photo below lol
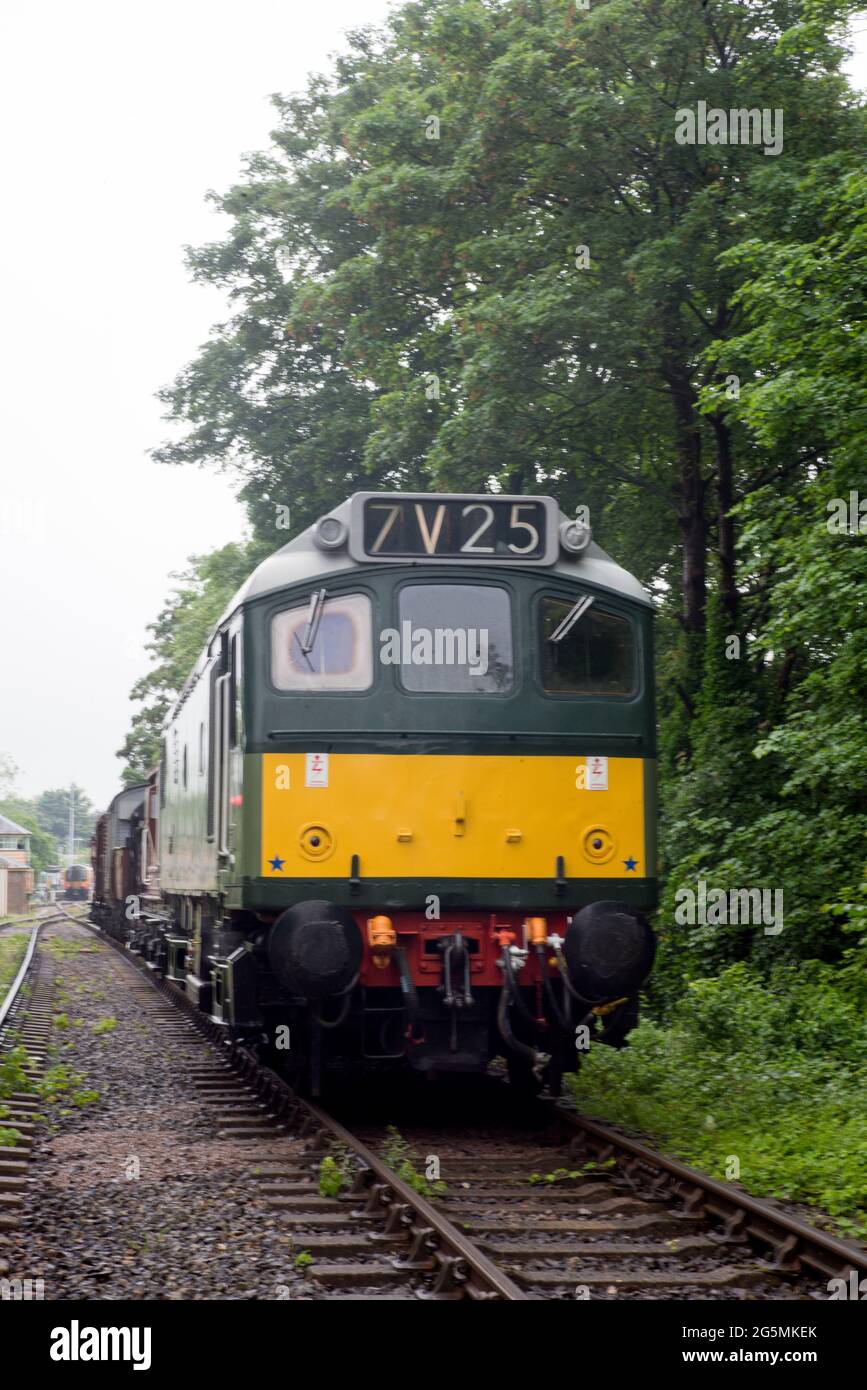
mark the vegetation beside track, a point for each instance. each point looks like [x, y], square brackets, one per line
[12, 948]
[759, 1081]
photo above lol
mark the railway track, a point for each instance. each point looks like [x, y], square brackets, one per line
[552, 1206]
[25, 1023]
[42, 914]
[579, 1211]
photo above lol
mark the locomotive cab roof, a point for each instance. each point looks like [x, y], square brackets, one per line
[303, 557]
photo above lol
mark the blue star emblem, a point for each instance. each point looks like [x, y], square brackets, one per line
[276, 863]
[631, 864]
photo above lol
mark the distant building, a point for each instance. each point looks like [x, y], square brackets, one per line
[14, 841]
[16, 875]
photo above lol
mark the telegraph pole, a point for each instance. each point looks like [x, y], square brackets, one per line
[72, 823]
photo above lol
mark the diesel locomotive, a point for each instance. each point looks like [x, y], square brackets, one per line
[77, 883]
[405, 812]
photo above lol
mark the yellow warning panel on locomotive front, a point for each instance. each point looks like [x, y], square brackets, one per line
[460, 816]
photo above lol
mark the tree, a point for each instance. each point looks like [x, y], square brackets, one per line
[368, 261]
[478, 257]
[52, 811]
[43, 847]
[25, 812]
[179, 634]
[776, 789]
[8, 774]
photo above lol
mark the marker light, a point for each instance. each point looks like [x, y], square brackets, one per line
[330, 533]
[575, 536]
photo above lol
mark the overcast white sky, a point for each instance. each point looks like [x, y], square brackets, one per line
[116, 119]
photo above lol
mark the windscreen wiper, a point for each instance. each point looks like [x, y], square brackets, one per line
[575, 612]
[314, 618]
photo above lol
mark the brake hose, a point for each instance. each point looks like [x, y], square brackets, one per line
[537, 1060]
[410, 993]
[561, 1019]
[512, 984]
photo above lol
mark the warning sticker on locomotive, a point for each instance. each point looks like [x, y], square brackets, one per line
[316, 769]
[597, 775]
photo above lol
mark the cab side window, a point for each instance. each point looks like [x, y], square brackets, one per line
[592, 653]
[328, 649]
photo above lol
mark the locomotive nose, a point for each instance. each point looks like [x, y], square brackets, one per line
[609, 950]
[315, 949]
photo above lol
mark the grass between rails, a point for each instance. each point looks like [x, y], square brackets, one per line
[61, 1088]
[62, 948]
[12, 948]
[336, 1169]
[760, 1082]
[14, 944]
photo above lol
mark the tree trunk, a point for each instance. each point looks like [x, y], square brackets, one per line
[725, 521]
[691, 518]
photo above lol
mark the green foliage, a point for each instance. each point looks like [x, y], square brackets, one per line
[13, 946]
[62, 947]
[335, 1172]
[303, 1260]
[43, 846]
[105, 1025]
[84, 1095]
[364, 257]
[179, 634]
[8, 774]
[60, 1082]
[851, 913]
[773, 792]
[571, 1174]
[52, 809]
[402, 1158]
[46, 817]
[770, 1072]
[13, 1076]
